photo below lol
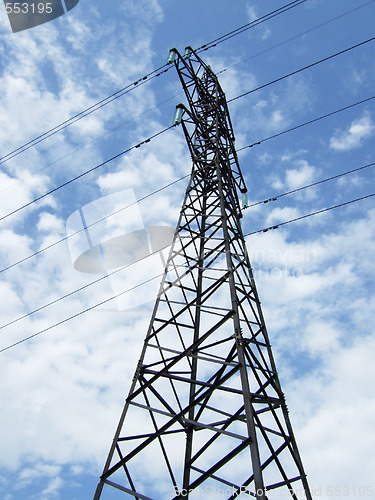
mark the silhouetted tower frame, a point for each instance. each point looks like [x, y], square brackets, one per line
[206, 382]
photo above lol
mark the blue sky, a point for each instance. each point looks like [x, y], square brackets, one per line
[62, 392]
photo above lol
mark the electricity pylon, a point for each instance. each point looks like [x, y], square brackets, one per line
[205, 415]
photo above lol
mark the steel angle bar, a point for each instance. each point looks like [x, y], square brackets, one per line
[126, 490]
[216, 478]
[199, 425]
[155, 410]
[275, 453]
[283, 483]
[170, 410]
[201, 383]
[145, 436]
[211, 360]
[226, 414]
[205, 475]
[176, 418]
[189, 350]
[264, 466]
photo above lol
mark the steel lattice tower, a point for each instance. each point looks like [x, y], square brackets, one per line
[205, 414]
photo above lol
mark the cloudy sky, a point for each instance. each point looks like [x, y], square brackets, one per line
[62, 390]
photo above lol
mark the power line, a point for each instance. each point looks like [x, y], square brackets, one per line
[92, 224]
[85, 173]
[250, 25]
[297, 36]
[307, 123]
[153, 74]
[155, 277]
[274, 198]
[76, 315]
[231, 100]
[96, 139]
[83, 114]
[302, 69]
[164, 130]
[184, 177]
[219, 72]
[263, 230]
[73, 292]
[276, 226]
[240, 149]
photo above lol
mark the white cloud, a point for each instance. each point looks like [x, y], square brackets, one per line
[11, 303]
[52, 489]
[50, 222]
[277, 110]
[277, 183]
[144, 11]
[251, 13]
[266, 34]
[233, 81]
[27, 475]
[359, 130]
[282, 214]
[14, 246]
[320, 336]
[277, 119]
[291, 155]
[16, 194]
[319, 268]
[359, 77]
[301, 176]
[349, 371]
